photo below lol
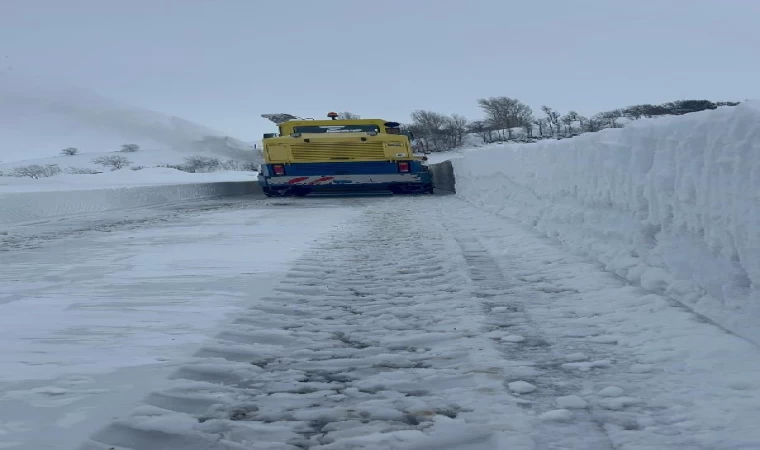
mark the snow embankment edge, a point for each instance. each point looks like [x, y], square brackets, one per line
[25, 207]
[671, 204]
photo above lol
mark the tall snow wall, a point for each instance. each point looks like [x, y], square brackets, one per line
[672, 204]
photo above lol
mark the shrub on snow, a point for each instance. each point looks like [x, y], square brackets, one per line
[82, 171]
[36, 171]
[112, 162]
[129, 148]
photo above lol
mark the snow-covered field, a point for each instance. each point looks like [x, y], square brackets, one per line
[671, 204]
[40, 117]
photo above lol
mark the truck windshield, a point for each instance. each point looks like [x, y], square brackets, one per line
[336, 129]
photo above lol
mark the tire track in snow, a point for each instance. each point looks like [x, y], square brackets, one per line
[650, 375]
[372, 343]
[533, 359]
[405, 330]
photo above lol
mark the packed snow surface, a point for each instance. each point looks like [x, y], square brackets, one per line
[349, 323]
[26, 200]
[671, 204]
[95, 313]
[387, 334]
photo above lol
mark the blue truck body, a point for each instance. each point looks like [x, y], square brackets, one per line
[398, 177]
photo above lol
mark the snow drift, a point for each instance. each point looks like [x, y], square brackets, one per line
[672, 204]
[38, 200]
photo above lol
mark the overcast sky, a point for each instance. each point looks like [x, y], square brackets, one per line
[223, 63]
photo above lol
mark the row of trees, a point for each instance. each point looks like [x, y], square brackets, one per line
[192, 164]
[508, 119]
[438, 131]
[126, 148]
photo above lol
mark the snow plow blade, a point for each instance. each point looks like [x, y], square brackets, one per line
[444, 181]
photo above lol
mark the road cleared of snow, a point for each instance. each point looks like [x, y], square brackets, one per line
[95, 314]
[428, 323]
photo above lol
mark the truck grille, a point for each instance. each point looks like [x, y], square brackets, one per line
[338, 151]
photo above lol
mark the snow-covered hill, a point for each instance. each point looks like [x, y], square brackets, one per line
[40, 117]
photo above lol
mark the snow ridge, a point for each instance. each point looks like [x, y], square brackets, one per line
[671, 204]
[23, 207]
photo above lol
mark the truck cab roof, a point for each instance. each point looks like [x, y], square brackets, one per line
[326, 126]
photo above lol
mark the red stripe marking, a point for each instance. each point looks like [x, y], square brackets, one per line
[320, 180]
[298, 180]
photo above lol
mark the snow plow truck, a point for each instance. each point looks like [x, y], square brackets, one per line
[340, 156]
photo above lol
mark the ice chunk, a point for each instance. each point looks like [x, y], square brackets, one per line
[521, 387]
[557, 415]
[571, 402]
[612, 391]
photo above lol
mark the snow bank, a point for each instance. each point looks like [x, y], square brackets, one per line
[119, 178]
[26, 200]
[672, 204]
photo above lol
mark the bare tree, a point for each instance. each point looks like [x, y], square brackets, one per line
[431, 127]
[505, 113]
[70, 151]
[593, 124]
[197, 164]
[129, 148]
[569, 119]
[542, 125]
[457, 127]
[480, 128]
[346, 115]
[112, 162]
[81, 171]
[528, 127]
[610, 118]
[438, 132]
[36, 171]
[635, 112]
[552, 118]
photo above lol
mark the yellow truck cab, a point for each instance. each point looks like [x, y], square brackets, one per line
[339, 156]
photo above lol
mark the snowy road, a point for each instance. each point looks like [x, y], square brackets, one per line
[97, 311]
[390, 323]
